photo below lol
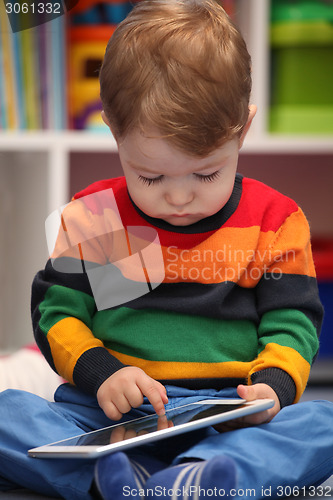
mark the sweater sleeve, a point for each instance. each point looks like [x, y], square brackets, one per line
[290, 312]
[63, 305]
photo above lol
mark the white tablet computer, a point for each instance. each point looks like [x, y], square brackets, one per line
[151, 428]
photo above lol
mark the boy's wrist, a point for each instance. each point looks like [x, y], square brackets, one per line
[280, 381]
[93, 368]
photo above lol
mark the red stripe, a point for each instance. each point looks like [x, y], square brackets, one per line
[260, 205]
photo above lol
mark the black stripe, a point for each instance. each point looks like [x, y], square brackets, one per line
[291, 291]
[64, 271]
[224, 300]
[93, 368]
[229, 301]
[41, 339]
[280, 381]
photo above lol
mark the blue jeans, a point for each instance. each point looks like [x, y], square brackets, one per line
[295, 449]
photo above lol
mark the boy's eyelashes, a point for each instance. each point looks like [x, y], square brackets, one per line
[155, 180]
[149, 181]
[209, 177]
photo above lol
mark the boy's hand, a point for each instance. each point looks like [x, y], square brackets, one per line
[251, 392]
[259, 391]
[126, 388]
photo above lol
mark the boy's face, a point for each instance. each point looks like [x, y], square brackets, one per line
[170, 185]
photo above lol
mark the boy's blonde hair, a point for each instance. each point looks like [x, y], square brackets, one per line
[181, 67]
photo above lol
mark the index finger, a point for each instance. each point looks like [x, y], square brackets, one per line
[149, 388]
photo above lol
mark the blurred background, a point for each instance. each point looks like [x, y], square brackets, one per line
[53, 141]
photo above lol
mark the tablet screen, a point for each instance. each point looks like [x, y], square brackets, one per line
[153, 423]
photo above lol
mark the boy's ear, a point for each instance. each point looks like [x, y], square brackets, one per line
[106, 121]
[104, 118]
[252, 113]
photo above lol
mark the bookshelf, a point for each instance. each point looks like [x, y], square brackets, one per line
[35, 168]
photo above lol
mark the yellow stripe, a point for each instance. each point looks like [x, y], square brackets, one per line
[69, 339]
[273, 356]
[186, 370]
[287, 359]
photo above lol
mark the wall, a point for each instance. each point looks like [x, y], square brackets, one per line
[308, 179]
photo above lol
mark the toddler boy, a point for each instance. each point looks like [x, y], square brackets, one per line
[232, 310]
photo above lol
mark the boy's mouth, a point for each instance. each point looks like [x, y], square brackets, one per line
[180, 215]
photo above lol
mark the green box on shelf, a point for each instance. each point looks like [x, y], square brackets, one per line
[301, 10]
[302, 67]
[314, 120]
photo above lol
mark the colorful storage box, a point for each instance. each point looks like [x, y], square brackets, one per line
[85, 54]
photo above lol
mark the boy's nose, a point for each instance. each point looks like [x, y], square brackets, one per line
[179, 197]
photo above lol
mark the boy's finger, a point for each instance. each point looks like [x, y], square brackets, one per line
[247, 392]
[152, 392]
[164, 394]
[111, 411]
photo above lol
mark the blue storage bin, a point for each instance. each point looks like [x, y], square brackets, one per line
[326, 338]
[323, 259]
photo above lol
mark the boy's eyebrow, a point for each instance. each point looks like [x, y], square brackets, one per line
[139, 167]
[217, 164]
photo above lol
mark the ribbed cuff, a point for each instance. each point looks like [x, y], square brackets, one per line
[93, 368]
[280, 381]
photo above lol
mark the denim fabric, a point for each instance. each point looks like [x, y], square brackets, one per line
[296, 448]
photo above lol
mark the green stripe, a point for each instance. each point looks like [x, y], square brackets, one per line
[73, 303]
[289, 328]
[164, 336]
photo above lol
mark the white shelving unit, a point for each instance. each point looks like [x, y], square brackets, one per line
[34, 180]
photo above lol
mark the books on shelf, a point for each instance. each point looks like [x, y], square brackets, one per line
[33, 76]
[36, 90]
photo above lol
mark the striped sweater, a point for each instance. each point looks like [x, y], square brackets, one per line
[237, 301]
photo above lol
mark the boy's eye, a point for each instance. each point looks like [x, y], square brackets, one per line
[208, 178]
[149, 181]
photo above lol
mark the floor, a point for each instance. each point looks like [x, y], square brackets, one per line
[325, 492]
